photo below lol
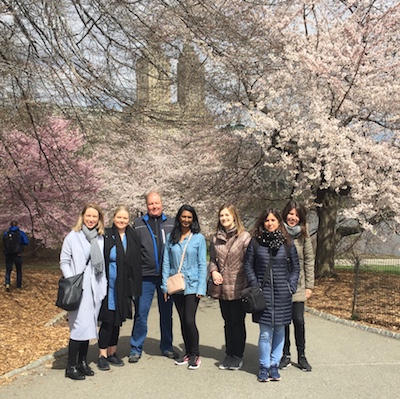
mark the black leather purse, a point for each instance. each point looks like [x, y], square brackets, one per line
[253, 299]
[70, 292]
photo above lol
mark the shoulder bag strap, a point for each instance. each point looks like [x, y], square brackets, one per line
[288, 257]
[183, 253]
[267, 270]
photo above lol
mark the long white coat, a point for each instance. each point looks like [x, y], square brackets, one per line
[74, 255]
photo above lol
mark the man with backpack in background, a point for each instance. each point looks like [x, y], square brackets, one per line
[14, 240]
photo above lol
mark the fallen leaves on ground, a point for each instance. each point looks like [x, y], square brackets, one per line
[25, 313]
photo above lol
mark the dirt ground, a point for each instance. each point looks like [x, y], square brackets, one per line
[25, 337]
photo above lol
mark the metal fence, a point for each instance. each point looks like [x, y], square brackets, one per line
[376, 290]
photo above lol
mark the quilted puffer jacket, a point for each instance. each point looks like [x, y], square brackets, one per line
[226, 256]
[281, 283]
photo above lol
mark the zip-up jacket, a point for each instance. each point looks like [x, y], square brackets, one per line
[151, 256]
[281, 283]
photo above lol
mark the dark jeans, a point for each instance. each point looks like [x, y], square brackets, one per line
[299, 330]
[187, 305]
[10, 260]
[235, 327]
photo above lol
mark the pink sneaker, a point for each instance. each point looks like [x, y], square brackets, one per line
[183, 361]
[194, 362]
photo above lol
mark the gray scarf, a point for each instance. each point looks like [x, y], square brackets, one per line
[95, 253]
[294, 231]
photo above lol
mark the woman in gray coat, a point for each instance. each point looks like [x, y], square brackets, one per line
[295, 218]
[82, 251]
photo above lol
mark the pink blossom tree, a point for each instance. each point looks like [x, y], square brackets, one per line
[45, 179]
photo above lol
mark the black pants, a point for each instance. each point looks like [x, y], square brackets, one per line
[299, 330]
[187, 305]
[108, 335]
[235, 327]
[10, 260]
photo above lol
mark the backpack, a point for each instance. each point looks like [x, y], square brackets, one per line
[12, 242]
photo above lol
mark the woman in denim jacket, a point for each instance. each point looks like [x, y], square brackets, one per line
[186, 234]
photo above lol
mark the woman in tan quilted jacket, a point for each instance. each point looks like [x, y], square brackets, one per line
[294, 215]
[227, 251]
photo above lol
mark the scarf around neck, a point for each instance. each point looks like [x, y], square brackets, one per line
[95, 253]
[272, 240]
[294, 231]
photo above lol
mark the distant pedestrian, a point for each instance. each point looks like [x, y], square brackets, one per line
[82, 251]
[267, 261]
[124, 277]
[227, 250]
[14, 240]
[187, 243]
[294, 215]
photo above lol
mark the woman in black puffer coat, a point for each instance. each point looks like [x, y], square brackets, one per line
[271, 246]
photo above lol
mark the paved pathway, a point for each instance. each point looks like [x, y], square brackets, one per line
[347, 363]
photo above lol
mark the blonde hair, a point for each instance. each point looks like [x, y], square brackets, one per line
[121, 208]
[236, 218]
[100, 224]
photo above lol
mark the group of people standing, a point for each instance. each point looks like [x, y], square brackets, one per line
[124, 265]
[278, 256]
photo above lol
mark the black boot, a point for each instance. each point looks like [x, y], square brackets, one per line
[85, 369]
[73, 373]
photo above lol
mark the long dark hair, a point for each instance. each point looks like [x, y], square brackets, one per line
[259, 226]
[194, 228]
[301, 213]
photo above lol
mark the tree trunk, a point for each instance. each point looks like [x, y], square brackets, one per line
[326, 237]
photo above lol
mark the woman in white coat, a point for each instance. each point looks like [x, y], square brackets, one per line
[82, 250]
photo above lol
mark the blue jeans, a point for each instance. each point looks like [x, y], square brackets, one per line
[10, 260]
[142, 307]
[270, 345]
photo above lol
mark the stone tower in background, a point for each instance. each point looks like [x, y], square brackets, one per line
[156, 83]
[153, 75]
[190, 81]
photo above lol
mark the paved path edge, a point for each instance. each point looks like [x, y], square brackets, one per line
[312, 311]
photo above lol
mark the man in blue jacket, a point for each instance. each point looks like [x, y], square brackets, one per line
[14, 240]
[152, 230]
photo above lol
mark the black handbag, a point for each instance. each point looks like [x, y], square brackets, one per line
[252, 298]
[70, 292]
